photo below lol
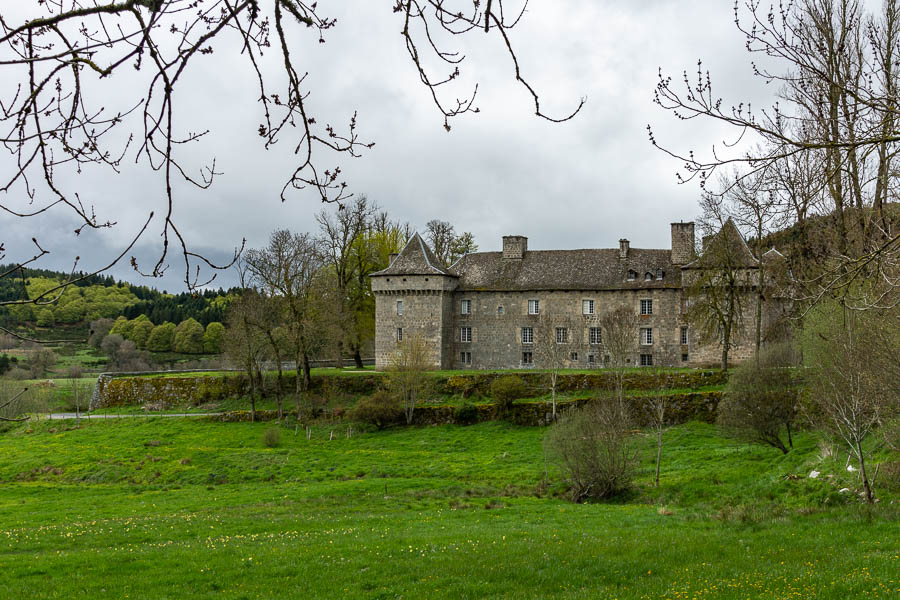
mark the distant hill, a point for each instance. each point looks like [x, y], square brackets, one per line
[101, 296]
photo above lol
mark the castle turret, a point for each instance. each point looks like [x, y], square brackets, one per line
[414, 297]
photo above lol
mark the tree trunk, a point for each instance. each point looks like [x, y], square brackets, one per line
[298, 380]
[658, 452]
[252, 391]
[870, 494]
[307, 376]
[340, 354]
[357, 357]
[553, 394]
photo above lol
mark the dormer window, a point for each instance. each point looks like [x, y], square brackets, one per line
[659, 274]
[648, 276]
[632, 275]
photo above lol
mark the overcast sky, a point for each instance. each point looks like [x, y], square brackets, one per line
[581, 184]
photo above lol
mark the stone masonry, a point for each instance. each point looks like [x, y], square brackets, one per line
[490, 309]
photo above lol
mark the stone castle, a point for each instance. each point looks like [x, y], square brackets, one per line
[488, 309]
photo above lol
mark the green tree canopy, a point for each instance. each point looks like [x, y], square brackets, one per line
[162, 338]
[189, 337]
[213, 338]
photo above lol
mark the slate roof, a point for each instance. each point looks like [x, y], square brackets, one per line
[729, 235]
[416, 258]
[592, 269]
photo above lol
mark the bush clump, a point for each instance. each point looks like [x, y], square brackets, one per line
[272, 437]
[595, 449]
[381, 409]
[465, 414]
[505, 390]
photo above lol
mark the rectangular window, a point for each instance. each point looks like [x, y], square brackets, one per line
[573, 356]
[591, 358]
[684, 336]
[562, 335]
[527, 358]
[527, 335]
[587, 307]
[400, 307]
[465, 307]
[646, 360]
[465, 358]
[465, 334]
[595, 336]
[534, 307]
[399, 334]
[646, 307]
[499, 310]
[646, 336]
[684, 357]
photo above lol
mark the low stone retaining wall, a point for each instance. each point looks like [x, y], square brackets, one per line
[161, 392]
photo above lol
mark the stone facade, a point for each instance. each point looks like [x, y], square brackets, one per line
[492, 309]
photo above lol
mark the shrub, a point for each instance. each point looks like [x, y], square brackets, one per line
[460, 384]
[594, 449]
[505, 390]
[272, 437]
[381, 409]
[19, 374]
[465, 414]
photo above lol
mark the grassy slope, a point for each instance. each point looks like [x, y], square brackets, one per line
[173, 508]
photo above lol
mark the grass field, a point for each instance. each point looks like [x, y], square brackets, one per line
[164, 508]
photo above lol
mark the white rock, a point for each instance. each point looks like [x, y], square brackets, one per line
[851, 468]
[813, 474]
[843, 490]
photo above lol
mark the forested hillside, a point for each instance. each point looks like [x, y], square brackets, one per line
[98, 297]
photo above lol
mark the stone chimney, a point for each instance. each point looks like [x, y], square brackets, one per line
[514, 246]
[623, 248]
[682, 243]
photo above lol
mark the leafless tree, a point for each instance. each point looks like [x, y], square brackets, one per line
[619, 329]
[555, 338]
[290, 267]
[441, 235]
[761, 401]
[831, 136]
[408, 372]
[244, 343]
[654, 407]
[718, 286]
[341, 239]
[594, 448]
[851, 376]
[55, 55]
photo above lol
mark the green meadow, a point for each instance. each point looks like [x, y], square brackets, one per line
[183, 508]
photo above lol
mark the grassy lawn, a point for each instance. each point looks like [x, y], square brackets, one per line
[179, 508]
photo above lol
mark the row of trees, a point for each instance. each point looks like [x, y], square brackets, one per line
[188, 337]
[306, 297]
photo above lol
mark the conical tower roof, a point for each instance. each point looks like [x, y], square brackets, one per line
[416, 258]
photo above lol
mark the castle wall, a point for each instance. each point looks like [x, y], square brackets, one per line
[426, 304]
[497, 337]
